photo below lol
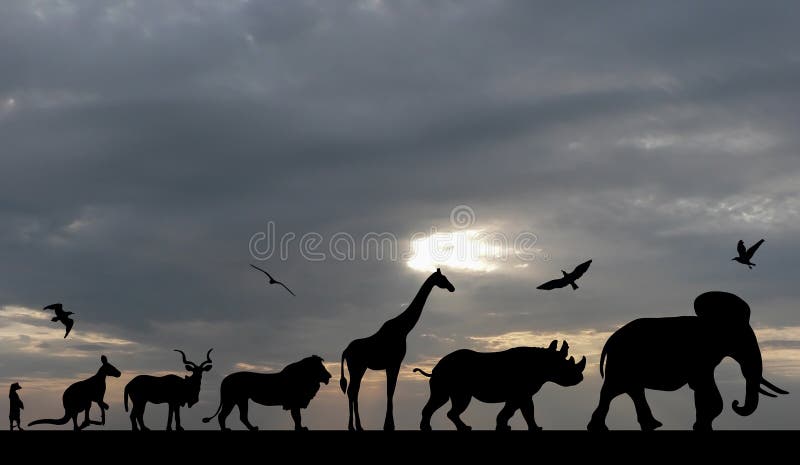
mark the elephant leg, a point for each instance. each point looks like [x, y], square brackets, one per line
[438, 398]
[643, 413]
[508, 411]
[526, 408]
[607, 393]
[298, 421]
[707, 404]
[391, 384]
[356, 373]
[459, 403]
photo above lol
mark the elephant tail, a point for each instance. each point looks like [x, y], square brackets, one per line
[419, 370]
[602, 361]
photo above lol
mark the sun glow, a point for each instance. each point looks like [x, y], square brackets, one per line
[468, 250]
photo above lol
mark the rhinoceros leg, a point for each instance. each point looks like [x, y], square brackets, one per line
[459, 403]
[505, 414]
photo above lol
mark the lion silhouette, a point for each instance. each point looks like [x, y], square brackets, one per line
[292, 388]
[512, 376]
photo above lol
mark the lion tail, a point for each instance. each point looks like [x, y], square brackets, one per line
[207, 419]
[420, 371]
[342, 379]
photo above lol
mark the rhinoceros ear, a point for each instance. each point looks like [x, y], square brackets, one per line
[553, 345]
[564, 349]
[722, 306]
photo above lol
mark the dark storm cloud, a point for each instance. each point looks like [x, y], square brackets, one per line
[142, 144]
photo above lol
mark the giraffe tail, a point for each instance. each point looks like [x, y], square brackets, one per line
[342, 379]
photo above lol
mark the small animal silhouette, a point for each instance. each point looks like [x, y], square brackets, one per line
[292, 388]
[568, 278]
[746, 254]
[272, 280]
[667, 353]
[172, 389]
[79, 396]
[62, 316]
[15, 406]
[385, 350]
[512, 376]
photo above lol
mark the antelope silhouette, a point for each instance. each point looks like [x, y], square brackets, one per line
[79, 396]
[172, 389]
[385, 350]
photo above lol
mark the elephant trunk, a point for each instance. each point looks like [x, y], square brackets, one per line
[749, 358]
[751, 399]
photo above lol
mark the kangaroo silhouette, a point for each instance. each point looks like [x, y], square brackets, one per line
[15, 406]
[384, 350]
[172, 389]
[79, 396]
[511, 376]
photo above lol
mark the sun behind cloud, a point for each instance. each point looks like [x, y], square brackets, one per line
[466, 250]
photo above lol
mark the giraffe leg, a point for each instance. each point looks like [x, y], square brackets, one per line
[391, 383]
[356, 373]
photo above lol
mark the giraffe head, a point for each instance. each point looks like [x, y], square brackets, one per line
[441, 281]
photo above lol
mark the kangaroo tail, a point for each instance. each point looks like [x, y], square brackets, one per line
[50, 421]
[419, 370]
[125, 396]
[342, 379]
[602, 360]
[207, 419]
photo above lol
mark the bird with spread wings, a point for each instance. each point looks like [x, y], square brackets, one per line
[273, 280]
[567, 279]
[746, 254]
[61, 316]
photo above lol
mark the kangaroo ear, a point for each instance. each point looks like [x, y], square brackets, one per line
[722, 306]
[439, 270]
[103, 359]
[553, 345]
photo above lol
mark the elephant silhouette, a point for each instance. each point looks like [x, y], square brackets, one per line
[665, 354]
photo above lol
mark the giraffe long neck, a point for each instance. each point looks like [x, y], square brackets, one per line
[408, 319]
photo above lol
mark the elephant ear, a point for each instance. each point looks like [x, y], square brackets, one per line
[722, 306]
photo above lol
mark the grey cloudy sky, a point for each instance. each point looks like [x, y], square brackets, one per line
[143, 144]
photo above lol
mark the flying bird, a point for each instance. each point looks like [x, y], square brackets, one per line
[272, 280]
[568, 278]
[62, 316]
[746, 254]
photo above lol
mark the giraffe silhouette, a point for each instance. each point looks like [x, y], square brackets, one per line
[385, 350]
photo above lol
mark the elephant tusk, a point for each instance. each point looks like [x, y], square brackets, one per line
[768, 394]
[773, 387]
